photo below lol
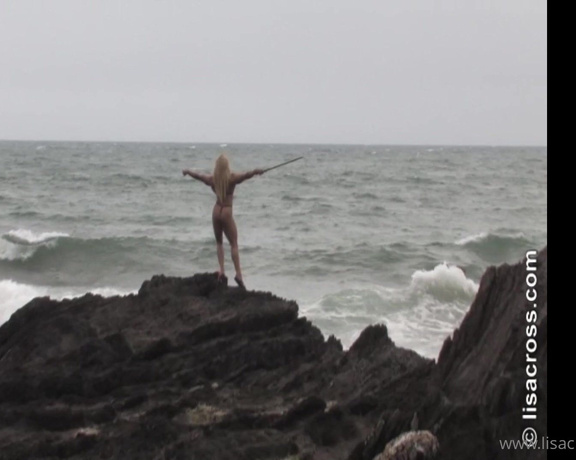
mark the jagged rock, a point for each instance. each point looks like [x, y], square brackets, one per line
[413, 445]
[191, 368]
[304, 408]
[134, 376]
[473, 397]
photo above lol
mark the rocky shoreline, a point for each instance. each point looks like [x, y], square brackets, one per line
[188, 368]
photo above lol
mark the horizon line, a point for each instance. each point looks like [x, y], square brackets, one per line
[222, 143]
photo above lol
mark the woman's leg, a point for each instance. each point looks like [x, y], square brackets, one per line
[231, 233]
[218, 227]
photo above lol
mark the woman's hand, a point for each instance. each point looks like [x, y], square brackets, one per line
[259, 172]
[185, 172]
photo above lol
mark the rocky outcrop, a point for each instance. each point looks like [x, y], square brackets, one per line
[413, 445]
[189, 368]
[475, 395]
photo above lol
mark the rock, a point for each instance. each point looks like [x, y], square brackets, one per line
[413, 445]
[370, 339]
[134, 376]
[191, 368]
[473, 397]
[304, 408]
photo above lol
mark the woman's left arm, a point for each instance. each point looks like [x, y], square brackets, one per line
[201, 177]
[239, 178]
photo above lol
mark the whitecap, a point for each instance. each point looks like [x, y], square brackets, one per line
[419, 315]
[25, 237]
[22, 244]
[14, 295]
[445, 282]
[471, 239]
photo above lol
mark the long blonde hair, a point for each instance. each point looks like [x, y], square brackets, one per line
[221, 177]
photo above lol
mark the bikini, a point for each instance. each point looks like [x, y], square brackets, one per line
[222, 206]
[229, 192]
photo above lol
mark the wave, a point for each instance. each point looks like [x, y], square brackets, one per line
[335, 260]
[29, 238]
[58, 259]
[496, 247]
[423, 180]
[21, 244]
[446, 283]
[292, 198]
[471, 239]
[298, 179]
[419, 316]
[124, 177]
[14, 295]
[365, 196]
[443, 284]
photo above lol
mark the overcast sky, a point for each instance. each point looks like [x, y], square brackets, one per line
[275, 71]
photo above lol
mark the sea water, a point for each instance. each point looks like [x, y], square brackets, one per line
[356, 234]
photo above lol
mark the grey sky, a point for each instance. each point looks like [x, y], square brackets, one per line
[325, 71]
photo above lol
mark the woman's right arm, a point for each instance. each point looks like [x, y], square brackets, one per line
[201, 177]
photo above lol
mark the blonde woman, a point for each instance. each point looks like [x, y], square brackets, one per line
[223, 182]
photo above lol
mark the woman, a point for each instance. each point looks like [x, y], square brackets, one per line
[223, 182]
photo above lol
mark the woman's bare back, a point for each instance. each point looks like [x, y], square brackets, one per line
[223, 218]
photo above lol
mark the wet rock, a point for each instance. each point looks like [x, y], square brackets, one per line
[413, 445]
[191, 368]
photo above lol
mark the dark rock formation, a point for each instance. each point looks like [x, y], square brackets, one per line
[475, 395]
[191, 369]
[413, 445]
[187, 368]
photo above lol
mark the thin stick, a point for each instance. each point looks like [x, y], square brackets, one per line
[282, 164]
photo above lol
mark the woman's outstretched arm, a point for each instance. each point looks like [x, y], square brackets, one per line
[241, 177]
[201, 177]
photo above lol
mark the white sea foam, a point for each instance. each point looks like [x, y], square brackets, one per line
[419, 316]
[14, 295]
[107, 292]
[445, 283]
[472, 239]
[29, 238]
[425, 327]
[9, 251]
[21, 244]
[294, 252]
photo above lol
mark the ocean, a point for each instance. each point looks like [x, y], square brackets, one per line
[356, 234]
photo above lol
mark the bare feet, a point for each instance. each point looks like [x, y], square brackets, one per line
[240, 283]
